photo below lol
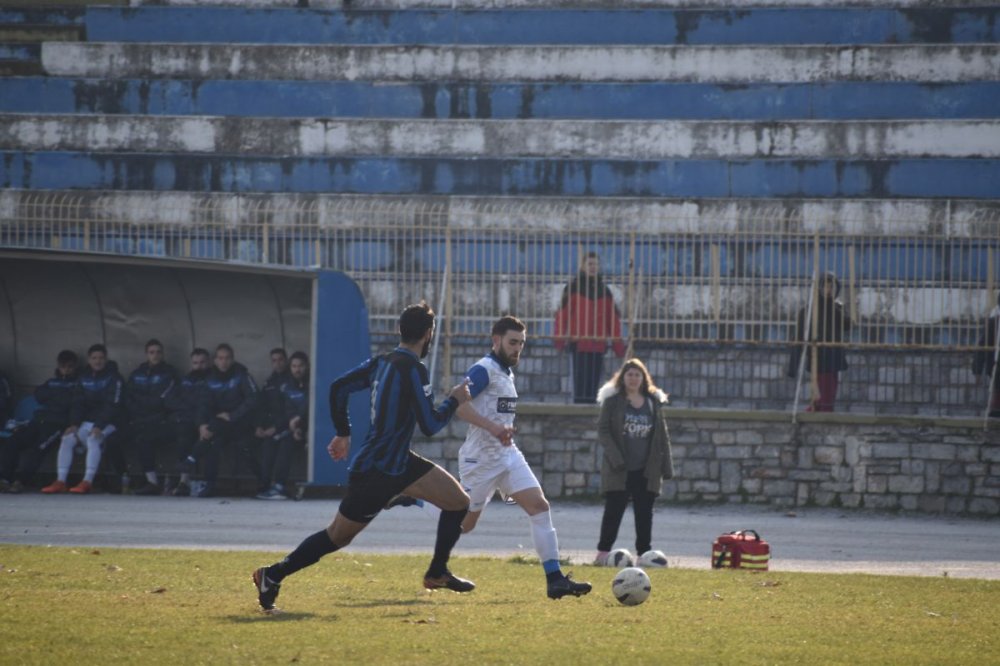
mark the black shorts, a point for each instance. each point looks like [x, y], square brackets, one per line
[368, 492]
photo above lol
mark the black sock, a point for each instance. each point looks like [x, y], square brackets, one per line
[449, 529]
[308, 553]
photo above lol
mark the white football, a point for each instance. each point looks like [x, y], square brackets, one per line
[620, 557]
[631, 586]
[652, 559]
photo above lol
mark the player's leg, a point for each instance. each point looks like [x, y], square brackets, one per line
[521, 485]
[367, 493]
[64, 460]
[440, 488]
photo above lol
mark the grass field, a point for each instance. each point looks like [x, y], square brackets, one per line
[80, 606]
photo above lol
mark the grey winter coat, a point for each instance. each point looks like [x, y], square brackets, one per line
[611, 425]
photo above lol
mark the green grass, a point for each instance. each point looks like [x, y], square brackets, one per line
[60, 605]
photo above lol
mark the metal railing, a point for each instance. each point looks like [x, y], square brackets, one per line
[728, 283]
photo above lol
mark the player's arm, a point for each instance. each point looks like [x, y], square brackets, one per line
[432, 419]
[341, 389]
[479, 379]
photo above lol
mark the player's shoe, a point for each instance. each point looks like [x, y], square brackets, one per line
[602, 558]
[81, 488]
[449, 581]
[147, 489]
[55, 487]
[560, 587]
[267, 589]
[183, 489]
[400, 500]
[271, 494]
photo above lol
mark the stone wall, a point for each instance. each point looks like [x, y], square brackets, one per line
[913, 464]
[921, 383]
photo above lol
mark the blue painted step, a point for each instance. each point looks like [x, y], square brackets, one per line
[855, 25]
[952, 178]
[613, 101]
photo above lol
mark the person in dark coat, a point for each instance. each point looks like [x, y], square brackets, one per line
[985, 358]
[182, 415]
[289, 430]
[632, 430]
[145, 400]
[22, 454]
[93, 418]
[833, 324]
[224, 415]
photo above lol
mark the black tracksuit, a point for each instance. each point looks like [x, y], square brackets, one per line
[235, 392]
[145, 399]
[31, 443]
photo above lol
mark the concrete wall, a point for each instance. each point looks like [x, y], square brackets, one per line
[917, 465]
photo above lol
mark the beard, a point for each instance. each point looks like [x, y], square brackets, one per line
[426, 349]
[509, 361]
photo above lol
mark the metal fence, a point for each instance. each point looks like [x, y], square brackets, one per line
[706, 285]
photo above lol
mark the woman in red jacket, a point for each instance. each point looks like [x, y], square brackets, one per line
[587, 319]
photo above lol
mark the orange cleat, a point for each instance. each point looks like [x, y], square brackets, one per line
[81, 488]
[55, 487]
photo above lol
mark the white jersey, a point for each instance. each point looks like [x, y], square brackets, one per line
[497, 402]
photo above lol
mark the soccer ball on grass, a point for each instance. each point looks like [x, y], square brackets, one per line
[631, 586]
[620, 557]
[652, 559]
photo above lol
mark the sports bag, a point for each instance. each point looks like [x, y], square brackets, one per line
[741, 550]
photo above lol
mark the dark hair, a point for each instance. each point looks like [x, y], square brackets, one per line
[415, 321]
[199, 351]
[507, 323]
[226, 347]
[301, 356]
[67, 356]
[153, 341]
[278, 350]
[97, 348]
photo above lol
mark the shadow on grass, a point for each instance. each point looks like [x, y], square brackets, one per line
[283, 616]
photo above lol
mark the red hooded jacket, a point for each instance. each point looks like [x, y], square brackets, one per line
[588, 317]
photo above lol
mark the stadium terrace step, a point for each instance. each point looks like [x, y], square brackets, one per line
[754, 25]
[54, 4]
[26, 33]
[578, 139]
[526, 4]
[866, 178]
[658, 101]
[861, 217]
[928, 63]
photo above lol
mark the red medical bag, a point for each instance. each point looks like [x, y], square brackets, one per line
[741, 550]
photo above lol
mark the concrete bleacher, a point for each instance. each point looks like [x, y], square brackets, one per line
[870, 101]
[876, 117]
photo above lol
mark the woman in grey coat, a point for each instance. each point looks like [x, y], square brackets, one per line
[632, 429]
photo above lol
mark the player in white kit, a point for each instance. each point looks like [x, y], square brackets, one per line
[489, 460]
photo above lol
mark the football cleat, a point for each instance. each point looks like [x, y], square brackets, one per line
[267, 590]
[560, 587]
[81, 488]
[55, 487]
[448, 581]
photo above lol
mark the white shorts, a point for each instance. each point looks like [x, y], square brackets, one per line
[507, 474]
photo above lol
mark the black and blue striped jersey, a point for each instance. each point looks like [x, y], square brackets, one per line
[401, 398]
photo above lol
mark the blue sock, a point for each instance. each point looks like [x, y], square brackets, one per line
[552, 570]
